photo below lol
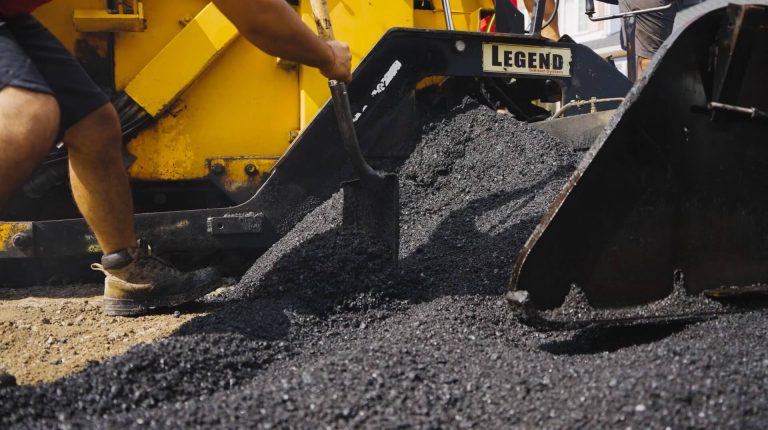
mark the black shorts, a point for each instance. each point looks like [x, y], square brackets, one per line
[32, 58]
[652, 28]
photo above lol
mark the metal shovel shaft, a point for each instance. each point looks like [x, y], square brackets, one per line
[373, 201]
[347, 129]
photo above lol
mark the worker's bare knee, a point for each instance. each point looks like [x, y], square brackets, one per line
[28, 118]
[105, 119]
[96, 134]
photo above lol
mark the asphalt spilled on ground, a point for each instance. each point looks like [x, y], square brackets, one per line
[323, 332]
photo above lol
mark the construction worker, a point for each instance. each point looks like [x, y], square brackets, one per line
[652, 28]
[552, 31]
[47, 97]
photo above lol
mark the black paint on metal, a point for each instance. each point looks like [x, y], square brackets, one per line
[667, 189]
[235, 224]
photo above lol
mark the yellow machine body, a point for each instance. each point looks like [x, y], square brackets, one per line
[216, 99]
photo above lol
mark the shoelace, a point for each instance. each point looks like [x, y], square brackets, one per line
[145, 254]
[98, 267]
[152, 262]
[145, 257]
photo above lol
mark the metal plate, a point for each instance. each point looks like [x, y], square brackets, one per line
[526, 60]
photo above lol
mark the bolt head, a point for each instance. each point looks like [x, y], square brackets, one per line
[251, 169]
[460, 46]
[218, 169]
[22, 241]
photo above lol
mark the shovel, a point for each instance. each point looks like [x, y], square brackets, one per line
[373, 200]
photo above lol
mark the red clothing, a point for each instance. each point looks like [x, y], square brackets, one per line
[17, 7]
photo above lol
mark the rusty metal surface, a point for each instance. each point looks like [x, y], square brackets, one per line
[668, 188]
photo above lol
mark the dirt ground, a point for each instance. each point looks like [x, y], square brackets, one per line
[49, 332]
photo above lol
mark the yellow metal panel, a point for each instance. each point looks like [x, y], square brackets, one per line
[165, 19]
[244, 105]
[361, 23]
[182, 60]
[132, 50]
[465, 15]
[93, 20]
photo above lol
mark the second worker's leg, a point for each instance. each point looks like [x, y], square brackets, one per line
[642, 64]
[552, 31]
[99, 179]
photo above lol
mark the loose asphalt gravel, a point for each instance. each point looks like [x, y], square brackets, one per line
[322, 332]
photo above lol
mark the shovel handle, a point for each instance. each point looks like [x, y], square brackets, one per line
[322, 19]
[341, 100]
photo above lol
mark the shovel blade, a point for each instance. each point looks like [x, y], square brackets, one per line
[374, 204]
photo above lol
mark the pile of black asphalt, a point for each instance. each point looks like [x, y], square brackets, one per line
[323, 332]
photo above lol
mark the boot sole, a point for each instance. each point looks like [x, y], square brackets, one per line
[134, 307]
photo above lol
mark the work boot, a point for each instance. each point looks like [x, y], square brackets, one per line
[6, 379]
[136, 282]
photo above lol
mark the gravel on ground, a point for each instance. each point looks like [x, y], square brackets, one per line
[322, 332]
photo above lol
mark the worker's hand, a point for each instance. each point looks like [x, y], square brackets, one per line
[340, 66]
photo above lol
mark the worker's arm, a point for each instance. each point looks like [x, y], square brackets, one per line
[274, 27]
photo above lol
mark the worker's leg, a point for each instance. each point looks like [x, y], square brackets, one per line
[552, 31]
[135, 280]
[642, 64]
[99, 179]
[29, 122]
[29, 115]
[652, 28]
[66, 100]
